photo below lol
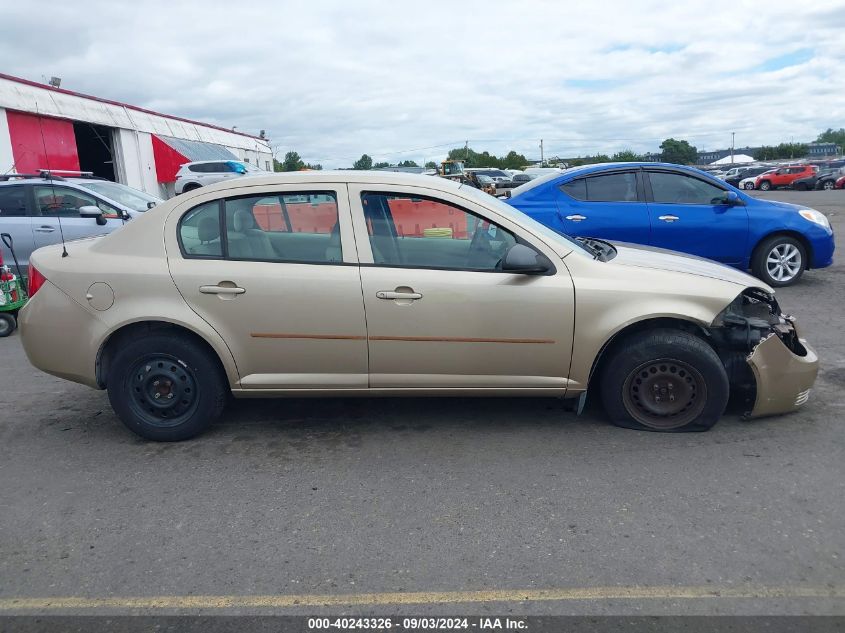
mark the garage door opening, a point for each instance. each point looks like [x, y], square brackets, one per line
[95, 148]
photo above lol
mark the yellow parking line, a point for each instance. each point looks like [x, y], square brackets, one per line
[422, 597]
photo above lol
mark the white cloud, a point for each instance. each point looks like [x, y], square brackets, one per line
[336, 79]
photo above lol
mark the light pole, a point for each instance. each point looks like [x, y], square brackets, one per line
[733, 134]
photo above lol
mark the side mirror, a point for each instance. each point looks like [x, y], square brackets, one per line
[90, 211]
[732, 199]
[525, 260]
[150, 205]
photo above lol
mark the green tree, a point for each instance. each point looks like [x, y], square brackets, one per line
[431, 165]
[292, 162]
[626, 156]
[316, 166]
[408, 163]
[365, 162]
[783, 150]
[833, 136]
[678, 152]
[380, 165]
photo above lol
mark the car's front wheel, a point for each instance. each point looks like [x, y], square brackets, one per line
[664, 380]
[765, 185]
[779, 261]
[166, 387]
[749, 185]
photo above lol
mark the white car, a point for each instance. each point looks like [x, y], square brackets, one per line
[206, 172]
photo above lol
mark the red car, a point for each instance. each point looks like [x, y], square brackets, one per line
[840, 184]
[784, 176]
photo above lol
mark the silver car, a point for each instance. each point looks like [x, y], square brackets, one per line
[38, 210]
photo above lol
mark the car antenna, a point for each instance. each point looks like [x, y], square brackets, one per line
[50, 178]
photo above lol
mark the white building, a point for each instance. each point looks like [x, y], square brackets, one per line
[42, 127]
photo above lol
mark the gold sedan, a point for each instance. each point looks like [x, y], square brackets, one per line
[383, 284]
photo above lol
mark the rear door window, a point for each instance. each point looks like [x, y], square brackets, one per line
[13, 202]
[615, 187]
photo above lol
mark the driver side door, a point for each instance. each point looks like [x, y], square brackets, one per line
[441, 315]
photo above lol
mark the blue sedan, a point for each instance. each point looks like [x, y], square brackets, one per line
[681, 209]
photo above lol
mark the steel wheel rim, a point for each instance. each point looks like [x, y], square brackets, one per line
[783, 262]
[163, 390]
[665, 394]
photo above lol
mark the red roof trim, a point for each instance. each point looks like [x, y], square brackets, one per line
[27, 82]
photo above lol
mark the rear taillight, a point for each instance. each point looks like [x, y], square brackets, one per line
[36, 280]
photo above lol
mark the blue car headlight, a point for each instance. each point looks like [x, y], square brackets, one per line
[817, 217]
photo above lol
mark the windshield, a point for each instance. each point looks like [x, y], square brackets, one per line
[520, 218]
[126, 196]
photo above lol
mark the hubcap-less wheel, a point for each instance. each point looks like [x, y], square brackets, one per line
[6, 325]
[163, 390]
[783, 262]
[664, 394]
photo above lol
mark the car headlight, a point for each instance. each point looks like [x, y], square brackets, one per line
[815, 216]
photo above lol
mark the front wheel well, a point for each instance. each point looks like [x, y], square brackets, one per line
[808, 249]
[619, 338]
[140, 329]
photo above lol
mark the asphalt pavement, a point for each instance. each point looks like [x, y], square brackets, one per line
[428, 505]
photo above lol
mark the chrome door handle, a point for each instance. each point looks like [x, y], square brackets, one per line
[45, 229]
[668, 218]
[576, 218]
[221, 290]
[390, 294]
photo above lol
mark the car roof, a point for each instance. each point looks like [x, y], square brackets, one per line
[316, 177]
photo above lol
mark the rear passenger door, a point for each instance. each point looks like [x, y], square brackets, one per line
[274, 270]
[688, 214]
[608, 205]
[15, 220]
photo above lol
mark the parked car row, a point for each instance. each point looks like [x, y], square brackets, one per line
[801, 177]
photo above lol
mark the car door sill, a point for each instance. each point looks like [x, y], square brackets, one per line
[488, 392]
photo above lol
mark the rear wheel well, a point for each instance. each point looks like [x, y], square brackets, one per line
[808, 249]
[191, 186]
[140, 329]
[643, 326]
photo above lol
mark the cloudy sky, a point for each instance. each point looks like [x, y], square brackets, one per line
[408, 80]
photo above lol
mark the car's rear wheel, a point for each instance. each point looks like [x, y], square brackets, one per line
[801, 186]
[779, 260]
[7, 324]
[166, 387]
[664, 380]
[765, 185]
[828, 185]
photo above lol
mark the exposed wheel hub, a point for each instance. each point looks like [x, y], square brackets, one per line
[665, 393]
[163, 389]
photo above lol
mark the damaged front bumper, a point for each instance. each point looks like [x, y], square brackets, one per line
[783, 378]
[766, 361]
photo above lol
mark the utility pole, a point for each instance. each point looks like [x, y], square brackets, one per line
[466, 151]
[733, 134]
[542, 160]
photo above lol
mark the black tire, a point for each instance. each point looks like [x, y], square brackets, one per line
[190, 386]
[765, 185]
[774, 246]
[801, 186]
[686, 383]
[7, 324]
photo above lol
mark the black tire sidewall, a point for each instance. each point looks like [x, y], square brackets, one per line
[633, 351]
[10, 324]
[761, 254]
[210, 383]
